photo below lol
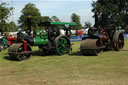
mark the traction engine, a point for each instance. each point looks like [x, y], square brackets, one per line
[101, 38]
[49, 41]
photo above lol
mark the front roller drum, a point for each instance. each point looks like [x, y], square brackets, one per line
[62, 45]
[16, 51]
[91, 47]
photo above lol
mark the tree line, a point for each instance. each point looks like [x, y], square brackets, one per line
[29, 9]
[5, 12]
[110, 11]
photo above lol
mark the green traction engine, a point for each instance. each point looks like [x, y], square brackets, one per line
[3, 43]
[49, 41]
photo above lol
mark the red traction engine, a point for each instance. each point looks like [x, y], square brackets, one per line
[101, 38]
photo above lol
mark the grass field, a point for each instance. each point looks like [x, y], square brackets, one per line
[109, 68]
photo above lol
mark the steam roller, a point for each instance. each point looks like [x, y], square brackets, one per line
[90, 47]
[102, 38]
[16, 51]
[49, 41]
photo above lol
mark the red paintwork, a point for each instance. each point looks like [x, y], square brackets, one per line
[25, 45]
[104, 35]
[79, 32]
[11, 40]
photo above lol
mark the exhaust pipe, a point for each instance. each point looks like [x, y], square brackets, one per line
[29, 20]
[96, 20]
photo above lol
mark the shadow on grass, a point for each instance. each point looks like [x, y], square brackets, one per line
[9, 58]
[35, 53]
[39, 53]
[124, 50]
[78, 53]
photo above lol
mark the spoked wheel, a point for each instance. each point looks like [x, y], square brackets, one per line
[118, 40]
[62, 44]
[91, 47]
[16, 51]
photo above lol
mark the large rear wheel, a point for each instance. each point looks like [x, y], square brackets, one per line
[118, 41]
[62, 45]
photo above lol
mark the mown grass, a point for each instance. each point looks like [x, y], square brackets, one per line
[109, 68]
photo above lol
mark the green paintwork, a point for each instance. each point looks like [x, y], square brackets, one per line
[44, 35]
[57, 23]
[63, 23]
[62, 45]
[37, 32]
[38, 41]
[20, 50]
[4, 42]
[41, 38]
[119, 28]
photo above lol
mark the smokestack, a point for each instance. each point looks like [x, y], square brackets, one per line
[96, 19]
[29, 20]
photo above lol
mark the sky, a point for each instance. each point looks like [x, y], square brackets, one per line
[63, 9]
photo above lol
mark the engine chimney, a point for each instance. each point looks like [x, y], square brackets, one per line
[96, 19]
[29, 20]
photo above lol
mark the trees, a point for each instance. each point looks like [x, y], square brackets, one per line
[76, 18]
[55, 19]
[12, 27]
[87, 24]
[44, 19]
[29, 9]
[5, 12]
[114, 11]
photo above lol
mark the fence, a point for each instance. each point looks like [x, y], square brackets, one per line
[79, 38]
